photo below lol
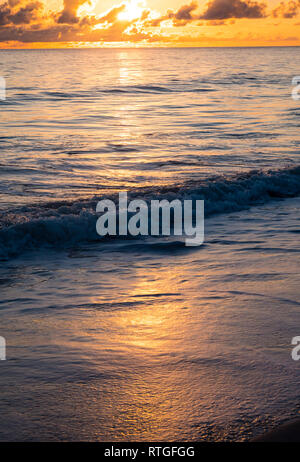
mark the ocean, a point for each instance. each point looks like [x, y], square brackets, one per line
[145, 339]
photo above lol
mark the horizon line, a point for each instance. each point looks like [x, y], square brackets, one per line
[142, 47]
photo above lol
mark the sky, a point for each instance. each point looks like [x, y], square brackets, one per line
[148, 23]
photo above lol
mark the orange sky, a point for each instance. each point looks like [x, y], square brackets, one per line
[80, 23]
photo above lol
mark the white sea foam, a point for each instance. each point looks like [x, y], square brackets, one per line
[61, 225]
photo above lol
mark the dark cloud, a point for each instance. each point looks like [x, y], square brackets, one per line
[63, 33]
[69, 13]
[27, 14]
[179, 18]
[216, 10]
[288, 9]
[185, 12]
[17, 12]
[227, 9]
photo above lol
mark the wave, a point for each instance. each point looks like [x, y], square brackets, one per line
[65, 224]
[21, 97]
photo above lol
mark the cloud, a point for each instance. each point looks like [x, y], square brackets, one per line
[185, 12]
[17, 12]
[227, 9]
[288, 9]
[179, 18]
[69, 13]
[20, 24]
[27, 21]
[216, 10]
[112, 15]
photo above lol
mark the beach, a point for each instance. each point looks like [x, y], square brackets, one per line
[146, 339]
[157, 342]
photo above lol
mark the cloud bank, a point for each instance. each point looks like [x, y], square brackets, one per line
[27, 21]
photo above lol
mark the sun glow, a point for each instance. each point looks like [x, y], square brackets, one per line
[87, 8]
[133, 10]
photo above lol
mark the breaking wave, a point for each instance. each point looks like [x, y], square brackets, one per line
[65, 224]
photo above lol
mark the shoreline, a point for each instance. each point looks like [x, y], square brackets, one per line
[286, 433]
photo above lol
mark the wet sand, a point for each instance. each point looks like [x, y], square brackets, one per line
[287, 433]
